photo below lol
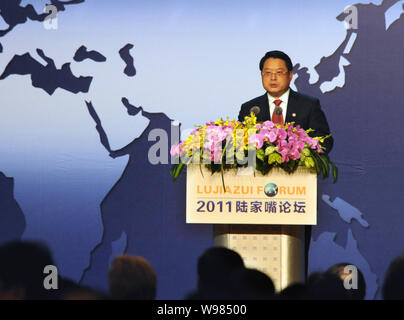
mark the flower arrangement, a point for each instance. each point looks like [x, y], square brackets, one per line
[223, 144]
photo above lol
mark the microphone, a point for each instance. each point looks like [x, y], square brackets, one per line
[278, 111]
[255, 109]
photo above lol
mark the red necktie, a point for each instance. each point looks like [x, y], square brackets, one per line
[277, 118]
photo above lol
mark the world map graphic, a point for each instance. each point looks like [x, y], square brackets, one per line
[66, 179]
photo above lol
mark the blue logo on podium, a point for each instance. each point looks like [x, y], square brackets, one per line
[271, 189]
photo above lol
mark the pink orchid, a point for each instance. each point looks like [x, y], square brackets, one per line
[175, 150]
[281, 133]
[213, 151]
[209, 144]
[268, 125]
[294, 153]
[297, 143]
[268, 135]
[313, 143]
[285, 154]
[215, 133]
[257, 140]
[301, 132]
[217, 156]
[290, 149]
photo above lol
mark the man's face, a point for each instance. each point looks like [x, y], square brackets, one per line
[275, 77]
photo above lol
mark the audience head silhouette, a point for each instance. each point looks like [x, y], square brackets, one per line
[295, 291]
[393, 286]
[326, 286]
[221, 272]
[252, 284]
[340, 270]
[214, 268]
[70, 290]
[22, 270]
[132, 278]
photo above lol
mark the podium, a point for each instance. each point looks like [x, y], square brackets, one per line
[262, 217]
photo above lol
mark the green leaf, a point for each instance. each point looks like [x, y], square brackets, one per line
[200, 168]
[173, 168]
[309, 162]
[269, 150]
[275, 158]
[306, 152]
[334, 171]
[214, 167]
[326, 164]
[261, 154]
[323, 166]
[320, 164]
[292, 165]
[316, 164]
[176, 170]
[263, 167]
[222, 174]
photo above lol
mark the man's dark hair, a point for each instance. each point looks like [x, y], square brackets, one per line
[214, 268]
[252, 284]
[295, 291]
[71, 290]
[277, 55]
[132, 278]
[326, 286]
[22, 265]
[217, 262]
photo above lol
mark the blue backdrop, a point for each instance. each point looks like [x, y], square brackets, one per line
[81, 92]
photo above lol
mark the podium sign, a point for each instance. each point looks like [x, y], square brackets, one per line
[277, 198]
[261, 217]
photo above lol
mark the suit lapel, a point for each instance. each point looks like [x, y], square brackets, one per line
[293, 106]
[264, 107]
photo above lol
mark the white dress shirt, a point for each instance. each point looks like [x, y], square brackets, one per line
[283, 105]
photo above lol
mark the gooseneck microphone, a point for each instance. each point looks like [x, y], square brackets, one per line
[255, 109]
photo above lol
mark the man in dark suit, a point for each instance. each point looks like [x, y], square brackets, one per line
[281, 104]
[276, 73]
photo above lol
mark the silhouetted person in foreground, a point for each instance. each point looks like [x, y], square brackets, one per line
[393, 286]
[326, 286]
[71, 290]
[295, 291]
[252, 284]
[132, 278]
[214, 269]
[355, 294]
[22, 275]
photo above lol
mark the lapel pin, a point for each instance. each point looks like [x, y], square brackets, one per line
[293, 114]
